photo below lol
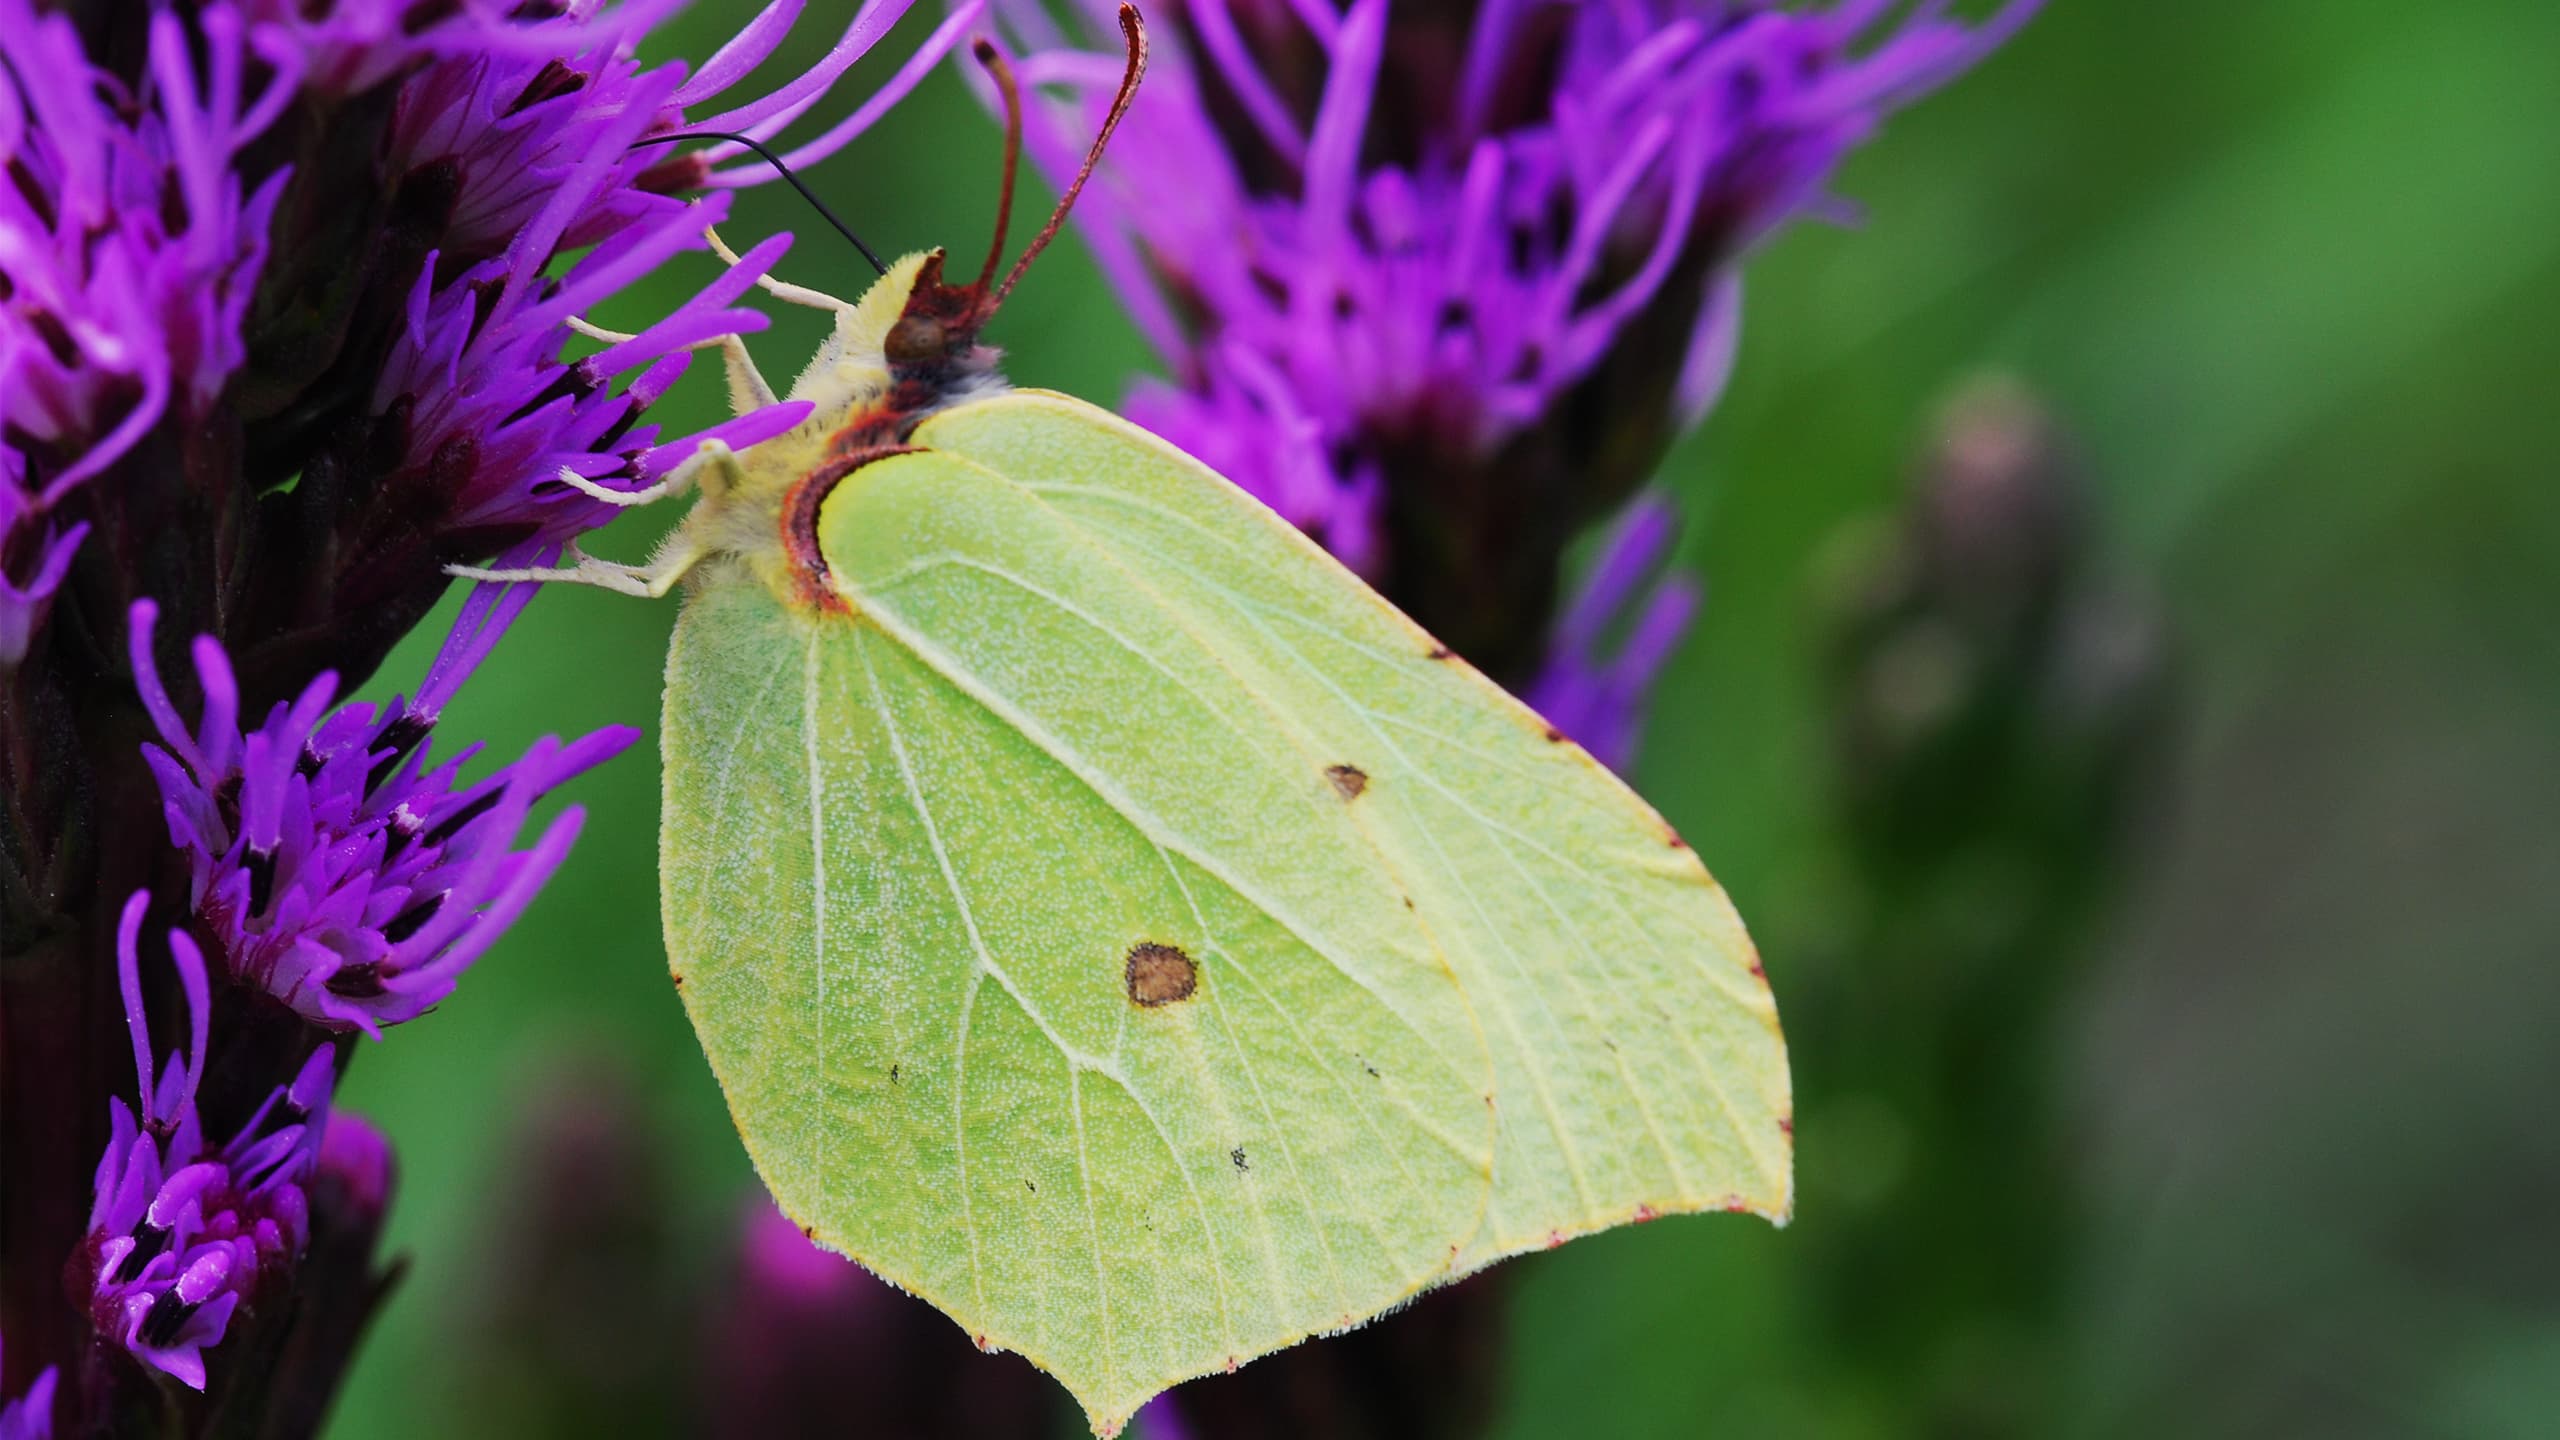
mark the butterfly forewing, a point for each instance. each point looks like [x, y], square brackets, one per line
[1639, 1069]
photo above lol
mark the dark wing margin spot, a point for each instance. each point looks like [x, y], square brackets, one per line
[1350, 780]
[1159, 974]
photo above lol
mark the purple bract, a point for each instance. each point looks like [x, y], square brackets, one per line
[340, 873]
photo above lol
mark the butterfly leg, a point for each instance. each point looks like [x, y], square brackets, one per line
[781, 290]
[747, 387]
[648, 581]
[713, 454]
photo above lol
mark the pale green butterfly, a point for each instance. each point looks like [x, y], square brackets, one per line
[1113, 922]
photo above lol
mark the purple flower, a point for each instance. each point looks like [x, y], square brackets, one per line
[183, 1232]
[128, 252]
[291, 303]
[339, 873]
[1615, 635]
[1441, 288]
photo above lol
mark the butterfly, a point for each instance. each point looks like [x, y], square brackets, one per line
[1111, 920]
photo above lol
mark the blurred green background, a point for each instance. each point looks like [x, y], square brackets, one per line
[2288, 273]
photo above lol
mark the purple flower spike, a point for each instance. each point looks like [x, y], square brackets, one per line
[1615, 637]
[300, 308]
[1441, 283]
[183, 1233]
[340, 873]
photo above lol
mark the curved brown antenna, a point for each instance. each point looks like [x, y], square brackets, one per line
[1135, 31]
[993, 62]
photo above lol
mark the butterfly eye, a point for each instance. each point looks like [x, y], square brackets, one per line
[915, 340]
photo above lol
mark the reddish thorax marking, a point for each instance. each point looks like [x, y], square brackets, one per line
[800, 508]
[932, 352]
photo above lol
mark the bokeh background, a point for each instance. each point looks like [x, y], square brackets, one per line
[2263, 1142]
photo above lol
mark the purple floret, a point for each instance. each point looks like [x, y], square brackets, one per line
[338, 871]
[182, 1231]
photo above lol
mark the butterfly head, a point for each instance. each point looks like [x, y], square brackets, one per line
[935, 337]
[937, 330]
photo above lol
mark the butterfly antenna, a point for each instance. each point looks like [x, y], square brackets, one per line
[997, 70]
[785, 172]
[1135, 31]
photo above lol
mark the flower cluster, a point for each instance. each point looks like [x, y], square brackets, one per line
[338, 872]
[131, 252]
[182, 1232]
[1441, 287]
[291, 296]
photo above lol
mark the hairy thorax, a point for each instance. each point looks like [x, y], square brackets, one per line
[873, 381]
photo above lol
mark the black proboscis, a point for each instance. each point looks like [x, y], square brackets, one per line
[785, 172]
